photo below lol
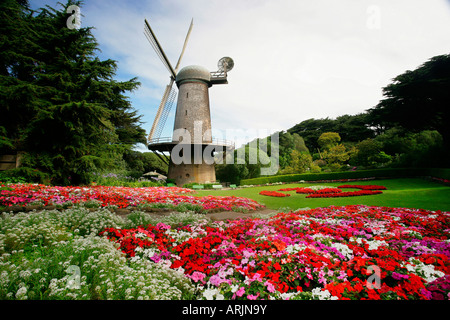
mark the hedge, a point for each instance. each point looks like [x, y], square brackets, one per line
[439, 173]
[376, 173]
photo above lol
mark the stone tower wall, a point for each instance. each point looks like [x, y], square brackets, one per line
[193, 113]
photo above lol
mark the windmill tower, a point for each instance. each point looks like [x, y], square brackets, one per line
[191, 146]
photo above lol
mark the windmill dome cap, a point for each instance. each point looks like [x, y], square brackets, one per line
[193, 72]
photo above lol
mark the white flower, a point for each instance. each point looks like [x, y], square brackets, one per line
[426, 271]
[21, 293]
[343, 249]
[322, 294]
[209, 294]
[24, 273]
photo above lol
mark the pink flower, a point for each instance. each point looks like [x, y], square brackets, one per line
[269, 286]
[252, 297]
[240, 292]
[197, 276]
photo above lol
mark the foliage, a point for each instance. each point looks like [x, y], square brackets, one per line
[421, 149]
[143, 162]
[22, 175]
[417, 100]
[336, 156]
[121, 179]
[245, 163]
[351, 128]
[369, 154]
[377, 173]
[300, 162]
[328, 140]
[64, 109]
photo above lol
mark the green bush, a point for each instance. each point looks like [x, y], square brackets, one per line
[24, 174]
[440, 173]
[376, 173]
[121, 179]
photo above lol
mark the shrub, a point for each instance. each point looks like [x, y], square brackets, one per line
[377, 173]
[24, 174]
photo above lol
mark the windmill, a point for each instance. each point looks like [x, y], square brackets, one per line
[191, 139]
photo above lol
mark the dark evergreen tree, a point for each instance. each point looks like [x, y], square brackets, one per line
[60, 103]
[417, 100]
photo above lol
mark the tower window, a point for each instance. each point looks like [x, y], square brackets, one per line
[187, 94]
[186, 112]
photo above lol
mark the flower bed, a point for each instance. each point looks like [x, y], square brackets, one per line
[344, 194]
[323, 253]
[121, 197]
[330, 192]
[274, 194]
[319, 191]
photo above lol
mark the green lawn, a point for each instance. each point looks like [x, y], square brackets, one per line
[407, 193]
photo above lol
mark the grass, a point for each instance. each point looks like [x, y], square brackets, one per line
[406, 193]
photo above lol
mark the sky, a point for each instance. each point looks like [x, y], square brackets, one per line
[293, 59]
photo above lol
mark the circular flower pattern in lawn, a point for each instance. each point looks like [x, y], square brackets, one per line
[274, 194]
[322, 253]
[329, 192]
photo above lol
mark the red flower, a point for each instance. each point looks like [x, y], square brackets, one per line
[273, 194]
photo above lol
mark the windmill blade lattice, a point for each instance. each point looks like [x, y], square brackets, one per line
[165, 113]
[162, 113]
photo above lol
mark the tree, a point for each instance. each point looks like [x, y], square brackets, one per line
[335, 156]
[311, 130]
[300, 163]
[143, 162]
[245, 163]
[327, 140]
[352, 128]
[417, 100]
[422, 149]
[299, 143]
[369, 153]
[63, 106]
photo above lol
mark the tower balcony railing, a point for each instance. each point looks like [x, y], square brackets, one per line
[214, 141]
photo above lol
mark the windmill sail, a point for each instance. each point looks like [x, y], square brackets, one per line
[184, 45]
[167, 107]
[158, 49]
[169, 94]
[163, 112]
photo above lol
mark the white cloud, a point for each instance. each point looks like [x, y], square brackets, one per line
[294, 59]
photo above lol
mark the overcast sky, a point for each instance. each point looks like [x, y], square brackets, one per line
[294, 59]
